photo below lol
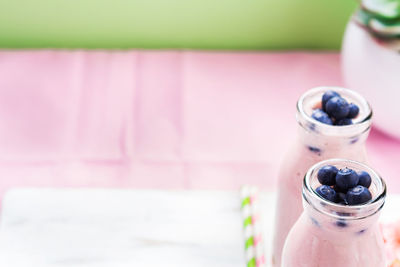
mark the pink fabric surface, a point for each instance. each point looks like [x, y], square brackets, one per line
[150, 119]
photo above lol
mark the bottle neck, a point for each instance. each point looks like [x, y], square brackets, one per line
[329, 146]
[333, 141]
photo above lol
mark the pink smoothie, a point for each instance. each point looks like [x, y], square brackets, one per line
[329, 234]
[315, 142]
[312, 246]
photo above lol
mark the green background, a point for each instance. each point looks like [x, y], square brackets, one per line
[193, 24]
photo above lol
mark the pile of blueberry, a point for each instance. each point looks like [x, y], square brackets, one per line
[344, 186]
[335, 110]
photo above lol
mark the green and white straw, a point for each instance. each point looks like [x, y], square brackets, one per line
[254, 245]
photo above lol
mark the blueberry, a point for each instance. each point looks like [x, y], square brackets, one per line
[342, 122]
[353, 111]
[341, 198]
[327, 174]
[361, 232]
[341, 223]
[343, 214]
[364, 179]
[358, 195]
[326, 96]
[321, 116]
[315, 222]
[337, 108]
[326, 192]
[315, 150]
[354, 140]
[339, 189]
[346, 178]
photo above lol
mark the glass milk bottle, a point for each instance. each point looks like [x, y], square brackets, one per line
[315, 142]
[334, 235]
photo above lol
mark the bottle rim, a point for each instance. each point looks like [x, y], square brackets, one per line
[361, 124]
[348, 212]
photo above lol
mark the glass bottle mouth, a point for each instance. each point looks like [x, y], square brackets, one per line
[335, 210]
[312, 99]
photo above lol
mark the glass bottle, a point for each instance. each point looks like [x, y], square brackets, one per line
[334, 235]
[315, 142]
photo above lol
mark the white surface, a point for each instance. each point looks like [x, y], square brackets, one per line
[118, 228]
[96, 228]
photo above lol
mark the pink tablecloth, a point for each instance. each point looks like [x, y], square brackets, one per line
[158, 119]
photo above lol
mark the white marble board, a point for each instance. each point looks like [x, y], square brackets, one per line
[118, 228]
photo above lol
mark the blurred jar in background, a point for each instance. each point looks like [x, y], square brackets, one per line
[371, 60]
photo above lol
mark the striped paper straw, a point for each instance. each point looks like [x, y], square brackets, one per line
[254, 247]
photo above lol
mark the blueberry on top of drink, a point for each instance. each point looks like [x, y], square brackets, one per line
[326, 192]
[358, 195]
[344, 186]
[364, 179]
[327, 175]
[346, 178]
[335, 110]
[341, 198]
[345, 121]
[337, 107]
[326, 96]
[321, 116]
[353, 111]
